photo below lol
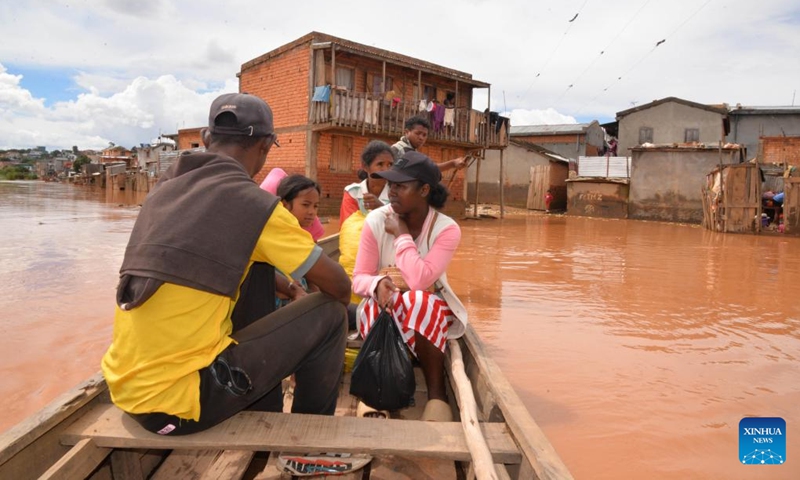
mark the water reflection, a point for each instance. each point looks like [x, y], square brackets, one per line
[61, 247]
[644, 338]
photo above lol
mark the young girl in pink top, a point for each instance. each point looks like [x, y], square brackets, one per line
[271, 183]
[411, 235]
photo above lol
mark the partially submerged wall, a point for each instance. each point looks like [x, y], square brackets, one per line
[666, 183]
[597, 198]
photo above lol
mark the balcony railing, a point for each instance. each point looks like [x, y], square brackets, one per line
[367, 113]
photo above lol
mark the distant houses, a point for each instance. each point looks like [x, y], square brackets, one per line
[664, 151]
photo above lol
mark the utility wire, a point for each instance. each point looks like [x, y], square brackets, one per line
[647, 54]
[553, 52]
[602, 52]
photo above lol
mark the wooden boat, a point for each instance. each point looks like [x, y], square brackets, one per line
[83, 435]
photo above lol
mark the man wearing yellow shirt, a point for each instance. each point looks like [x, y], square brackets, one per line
[194, 340]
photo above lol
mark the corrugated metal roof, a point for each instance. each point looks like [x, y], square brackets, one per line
[541, 150]
[606, 167]
[563, 129]
[762, 110]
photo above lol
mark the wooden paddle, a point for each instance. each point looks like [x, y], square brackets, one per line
[470, 159]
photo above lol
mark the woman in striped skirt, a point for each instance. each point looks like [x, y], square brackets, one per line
[414, 240]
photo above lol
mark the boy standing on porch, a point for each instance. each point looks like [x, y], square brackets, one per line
[416, 134]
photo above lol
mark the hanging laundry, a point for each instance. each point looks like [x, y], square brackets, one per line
[449, 117]
[371, 109]
[322, 94]
[438, 117]
[423, 105]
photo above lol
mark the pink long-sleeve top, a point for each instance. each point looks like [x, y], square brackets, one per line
[420, 273]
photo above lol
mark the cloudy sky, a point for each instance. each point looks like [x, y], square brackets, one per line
[80, 72]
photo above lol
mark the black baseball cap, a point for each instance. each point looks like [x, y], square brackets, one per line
[412, 166]
[253, 116]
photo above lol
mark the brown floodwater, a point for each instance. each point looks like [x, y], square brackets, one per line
[637, 346]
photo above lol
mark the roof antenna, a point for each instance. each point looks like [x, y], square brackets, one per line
[793, 92]
[505, 108]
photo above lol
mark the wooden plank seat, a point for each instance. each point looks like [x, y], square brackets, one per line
[109, 427]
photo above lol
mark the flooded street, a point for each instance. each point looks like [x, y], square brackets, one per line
[637, 346]
[60, 247]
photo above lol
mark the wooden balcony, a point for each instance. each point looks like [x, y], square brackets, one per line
[366, 113]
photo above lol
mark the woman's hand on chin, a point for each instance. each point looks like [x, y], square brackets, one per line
[395, 225]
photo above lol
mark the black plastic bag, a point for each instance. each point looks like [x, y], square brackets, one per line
[383, 376]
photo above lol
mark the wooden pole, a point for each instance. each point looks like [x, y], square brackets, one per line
[757, 179]
[502, 184]
[419, 85]
[488, 116]
[310, 160]
[383, 81]
[722, 184]
[333, 64]
[482, 462]
[477, 184]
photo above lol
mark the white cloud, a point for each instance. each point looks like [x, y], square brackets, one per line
[15, 100]
[740, 52]
[547, 116]
[139, 112]
[136, 8]
[100, 83]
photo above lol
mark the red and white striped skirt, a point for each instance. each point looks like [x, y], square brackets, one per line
[413, 311]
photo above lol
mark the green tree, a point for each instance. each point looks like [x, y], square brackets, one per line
[81, 160]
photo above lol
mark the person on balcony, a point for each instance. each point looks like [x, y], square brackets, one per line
[415, 136]
[449, 110]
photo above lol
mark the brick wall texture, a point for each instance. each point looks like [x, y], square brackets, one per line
[189, 137]
[784, 150]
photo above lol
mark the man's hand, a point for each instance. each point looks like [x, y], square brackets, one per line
[459, 163]
[296, 291]
[385, 291]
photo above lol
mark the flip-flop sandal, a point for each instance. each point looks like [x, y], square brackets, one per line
[322, 463]
[364, 410]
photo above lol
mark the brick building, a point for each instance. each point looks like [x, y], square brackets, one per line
[115, 154]
[189, 138]
[365, 93]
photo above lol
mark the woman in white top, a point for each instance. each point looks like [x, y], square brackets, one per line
[370, 193]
